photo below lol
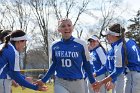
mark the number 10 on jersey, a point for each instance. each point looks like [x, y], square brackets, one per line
[66, 62]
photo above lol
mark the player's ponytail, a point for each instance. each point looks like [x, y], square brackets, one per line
[7, 39]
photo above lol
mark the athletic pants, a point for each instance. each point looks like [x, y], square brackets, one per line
[132, 83]
[67, 86]
[5, 85]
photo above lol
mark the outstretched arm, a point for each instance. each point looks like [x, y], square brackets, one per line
[15, 75]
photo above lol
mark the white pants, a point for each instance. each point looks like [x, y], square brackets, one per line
[65, 86]
[119, 84]
[5, 85]
[132, 84]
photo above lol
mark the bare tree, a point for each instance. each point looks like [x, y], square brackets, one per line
[16, 14]
[40, 9]
[134, 28]
[64, 9]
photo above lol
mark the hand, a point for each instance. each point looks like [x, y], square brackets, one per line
[39, 83]
[109, 86]
[96, 86]
[14, 84]
[42, 88]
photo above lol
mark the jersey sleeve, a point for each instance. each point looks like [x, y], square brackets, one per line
[101, 71]
[15, 75]
[86, 63]
[51, 70]
[117, 71]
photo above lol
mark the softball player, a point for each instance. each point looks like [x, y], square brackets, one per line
[115, 60]
[9, 62]
[98, 55]
[132, 67]
[69, 55]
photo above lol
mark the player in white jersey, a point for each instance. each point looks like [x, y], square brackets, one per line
[69, 56]
[9, 62]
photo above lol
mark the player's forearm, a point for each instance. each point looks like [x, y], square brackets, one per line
[88, 70]
[105, 80]
[101, 71]
[15, 75]
[116, 72]
[49, 73]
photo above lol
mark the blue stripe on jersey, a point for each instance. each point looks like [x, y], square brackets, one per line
[69, 57]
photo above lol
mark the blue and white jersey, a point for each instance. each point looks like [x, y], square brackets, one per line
[118, 56]
[9, 60]
[99, 58]
[9, 66]
[115, 64]
[133, 55]
[69, 58]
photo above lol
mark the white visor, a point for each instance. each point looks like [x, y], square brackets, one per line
[25, 37]
[111, 33]
[93, 38]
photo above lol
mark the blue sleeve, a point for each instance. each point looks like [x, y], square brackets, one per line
[101, 71]
[88, 70]
[86, 75]
[87, 66]
[113, 80]
[15, 75]
[51, 70]
[49, 73]
[117, 71]
[23, 76]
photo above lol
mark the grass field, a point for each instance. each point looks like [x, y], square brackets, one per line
[50, 86]
[26, 90]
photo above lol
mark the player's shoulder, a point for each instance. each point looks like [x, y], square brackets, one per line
[100, 49]
[56, 42]
[82, 42]
[130, 41]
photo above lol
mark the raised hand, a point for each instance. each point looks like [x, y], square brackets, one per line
[109, 86]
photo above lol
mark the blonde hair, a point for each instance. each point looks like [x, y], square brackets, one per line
[62, 20]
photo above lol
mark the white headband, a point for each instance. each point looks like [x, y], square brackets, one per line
[94, 38]
[111, 33]
[25, 37]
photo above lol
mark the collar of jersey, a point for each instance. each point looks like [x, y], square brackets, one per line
[117, 42]
[67, 40]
